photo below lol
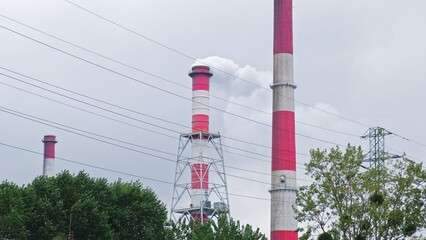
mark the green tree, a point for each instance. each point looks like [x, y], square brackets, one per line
[137, 214]
[12, 218]
[92, 208]
[89, 220]
[222, 229]
[43, 207]
[347, 201]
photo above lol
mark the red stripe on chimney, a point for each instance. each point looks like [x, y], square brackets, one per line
[283, 27]
[283, 141]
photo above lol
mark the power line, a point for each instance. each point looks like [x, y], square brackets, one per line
[41, 121]
[132, 125]
[165, 79]
[97, 100]
[96, 106]
[122, 115]
[120, 172]
[73, 131]
[154, 131]
[104, 102]
[164, 46]
[127, 174]
[403, 154]
[157, 88]
[253, 120]
[193, 58]
[263, 182]
[125, 142]
[125, 64]
[84, 110]
[89, 165]
[253, 180]
[264, 173]
[410, 140]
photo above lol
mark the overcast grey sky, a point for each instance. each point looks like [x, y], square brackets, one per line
[364, 60]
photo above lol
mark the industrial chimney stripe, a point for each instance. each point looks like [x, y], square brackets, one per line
[200, 176]
[201, 82]
[200, 98]
[49, 155]
[200, 124]
[283, 172]
[283, 26]
[284, 140]
[284, 235]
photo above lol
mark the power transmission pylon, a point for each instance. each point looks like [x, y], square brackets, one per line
[377, 155]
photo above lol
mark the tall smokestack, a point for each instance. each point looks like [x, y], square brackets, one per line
[283, 181]
[200, 123]
[49, 155]
[201, 187]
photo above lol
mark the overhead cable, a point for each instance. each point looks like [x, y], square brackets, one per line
[114, 112]
[120, 172]
[162, 78]
[195, 59]
[160, 89]
[77, 132]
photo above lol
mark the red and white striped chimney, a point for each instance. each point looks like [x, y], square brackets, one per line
[283, 180]
[49, 155]
[200, 124]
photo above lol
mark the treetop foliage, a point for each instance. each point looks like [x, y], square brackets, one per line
[90, 208]
[350, 201]
[222, 229]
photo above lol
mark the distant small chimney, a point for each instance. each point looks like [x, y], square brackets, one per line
[49, 155]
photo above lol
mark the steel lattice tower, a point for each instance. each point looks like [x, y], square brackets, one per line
[377, 155]
[199, 178]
